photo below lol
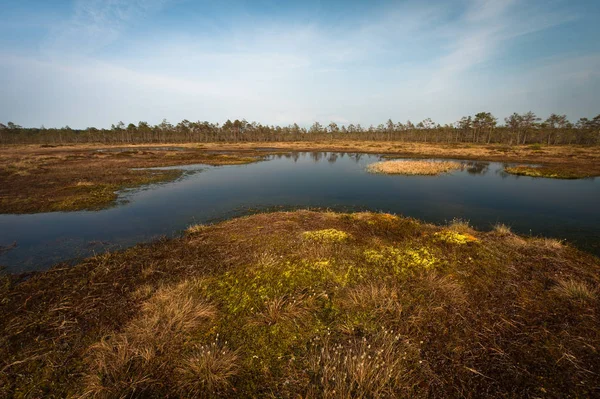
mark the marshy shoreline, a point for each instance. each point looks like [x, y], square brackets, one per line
[36, 178]
[311, 304]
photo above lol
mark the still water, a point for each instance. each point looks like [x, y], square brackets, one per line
[481, 193]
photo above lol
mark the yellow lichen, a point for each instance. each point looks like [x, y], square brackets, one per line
[452, 237]
[326, 236]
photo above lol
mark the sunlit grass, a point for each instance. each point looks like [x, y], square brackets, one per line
[452, 237]
[576, 290]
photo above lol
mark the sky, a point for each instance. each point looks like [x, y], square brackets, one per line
[88, 63]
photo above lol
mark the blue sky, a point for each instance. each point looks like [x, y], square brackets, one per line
[93, 63]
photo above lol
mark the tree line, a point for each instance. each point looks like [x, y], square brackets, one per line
[483, 127]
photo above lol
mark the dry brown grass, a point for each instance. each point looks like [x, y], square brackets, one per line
[549, 243]
[411, 168]
[141, 359]
[576, 290]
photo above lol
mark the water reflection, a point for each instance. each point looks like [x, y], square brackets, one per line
[476, 167]
[479, 192]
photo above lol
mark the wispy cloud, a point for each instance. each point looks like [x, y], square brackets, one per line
[95, 24]
[486, 26]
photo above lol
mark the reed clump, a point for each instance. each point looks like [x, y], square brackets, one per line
[413, 168]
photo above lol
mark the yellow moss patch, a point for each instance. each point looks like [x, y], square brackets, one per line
[401, 260]
[452, 237]
[326, 236]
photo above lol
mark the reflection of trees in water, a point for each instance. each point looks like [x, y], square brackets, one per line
[316, 156]
[477, 168]
[332, 157]
[502, 172]
[356, 156]
[295, 156]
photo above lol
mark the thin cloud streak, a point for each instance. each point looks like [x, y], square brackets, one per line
[95, 24]
[485, 29]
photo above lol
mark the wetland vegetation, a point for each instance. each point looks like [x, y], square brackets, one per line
[36, 178]
[310, 304]
[81, 178]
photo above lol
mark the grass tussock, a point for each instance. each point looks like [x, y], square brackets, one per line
[207, 371]
[402, 309]
[196, 228]
[576, 290]
[411, 168]
[153, 350]
[460, 226]
[502, 229]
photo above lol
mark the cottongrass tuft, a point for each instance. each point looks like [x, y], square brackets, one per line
[207, 371]
[367, 367]
[502, 229]
[460, 226]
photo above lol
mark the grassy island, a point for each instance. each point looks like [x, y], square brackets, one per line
[547, 172]
[309, 304]
[413, 167]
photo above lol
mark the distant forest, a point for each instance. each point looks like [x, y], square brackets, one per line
[482, 128]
